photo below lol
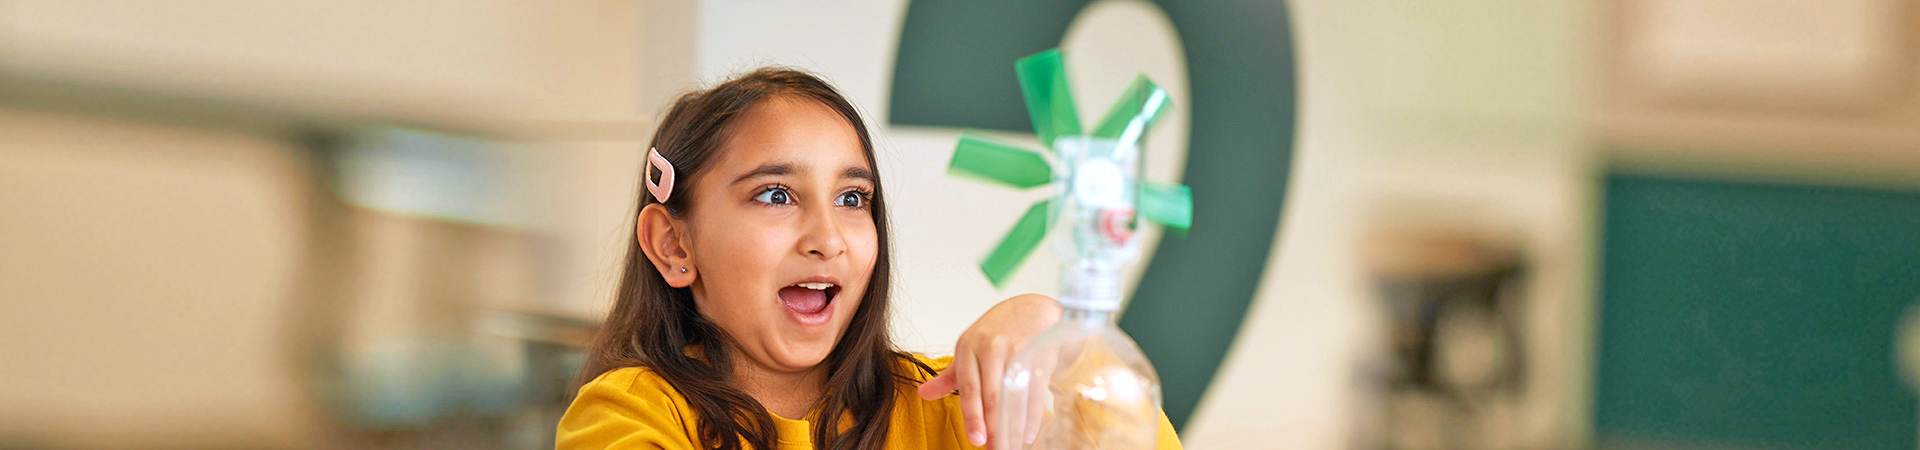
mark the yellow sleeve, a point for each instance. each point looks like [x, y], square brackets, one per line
[938, 364]
[1168, 440]
[628, 408]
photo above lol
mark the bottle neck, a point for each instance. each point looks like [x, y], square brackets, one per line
[1090, 287]
[1084, 317]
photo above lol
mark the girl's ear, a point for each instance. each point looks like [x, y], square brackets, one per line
[664, 241]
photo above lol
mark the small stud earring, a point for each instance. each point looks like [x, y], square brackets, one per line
[683, 270]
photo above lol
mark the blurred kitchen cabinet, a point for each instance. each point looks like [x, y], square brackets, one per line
[1823, 88]
[449, 63]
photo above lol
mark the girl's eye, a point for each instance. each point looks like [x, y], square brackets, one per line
[777, 196]
[853, 199]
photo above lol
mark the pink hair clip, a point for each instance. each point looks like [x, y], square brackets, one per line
[663, 189]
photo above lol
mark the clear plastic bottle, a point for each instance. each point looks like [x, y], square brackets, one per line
[1084, 383]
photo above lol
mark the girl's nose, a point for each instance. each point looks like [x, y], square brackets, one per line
[824, 236]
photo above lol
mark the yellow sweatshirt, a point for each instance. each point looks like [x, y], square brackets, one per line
[634, 408]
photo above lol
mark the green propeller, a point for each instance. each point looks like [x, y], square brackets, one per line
[1043, 83]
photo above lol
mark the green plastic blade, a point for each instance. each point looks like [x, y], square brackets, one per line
[1043, 82]
[1018, 244]
[1167, 204]
[1000, 163]
[1137, 107]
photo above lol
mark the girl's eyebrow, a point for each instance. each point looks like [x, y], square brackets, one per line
[858, 173]
[781, 168]
[765, 170]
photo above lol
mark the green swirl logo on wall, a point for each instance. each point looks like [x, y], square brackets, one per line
[951, 71]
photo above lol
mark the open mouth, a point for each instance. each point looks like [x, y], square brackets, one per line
[809, 299]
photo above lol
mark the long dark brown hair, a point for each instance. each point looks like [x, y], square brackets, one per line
[653, 324]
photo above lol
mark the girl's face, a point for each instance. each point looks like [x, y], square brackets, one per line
[782, 235]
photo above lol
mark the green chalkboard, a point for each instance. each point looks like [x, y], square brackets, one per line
[1747, 315]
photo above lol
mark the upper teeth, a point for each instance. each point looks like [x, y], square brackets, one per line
[816, 286]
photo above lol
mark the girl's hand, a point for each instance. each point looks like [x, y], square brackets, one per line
[980, 360]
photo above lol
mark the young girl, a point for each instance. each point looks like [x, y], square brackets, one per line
[753, 308]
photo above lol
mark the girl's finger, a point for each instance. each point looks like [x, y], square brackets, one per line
[991, 361]
[969, 381]
[1044, 361]
[938, 386]
[1036, 396]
